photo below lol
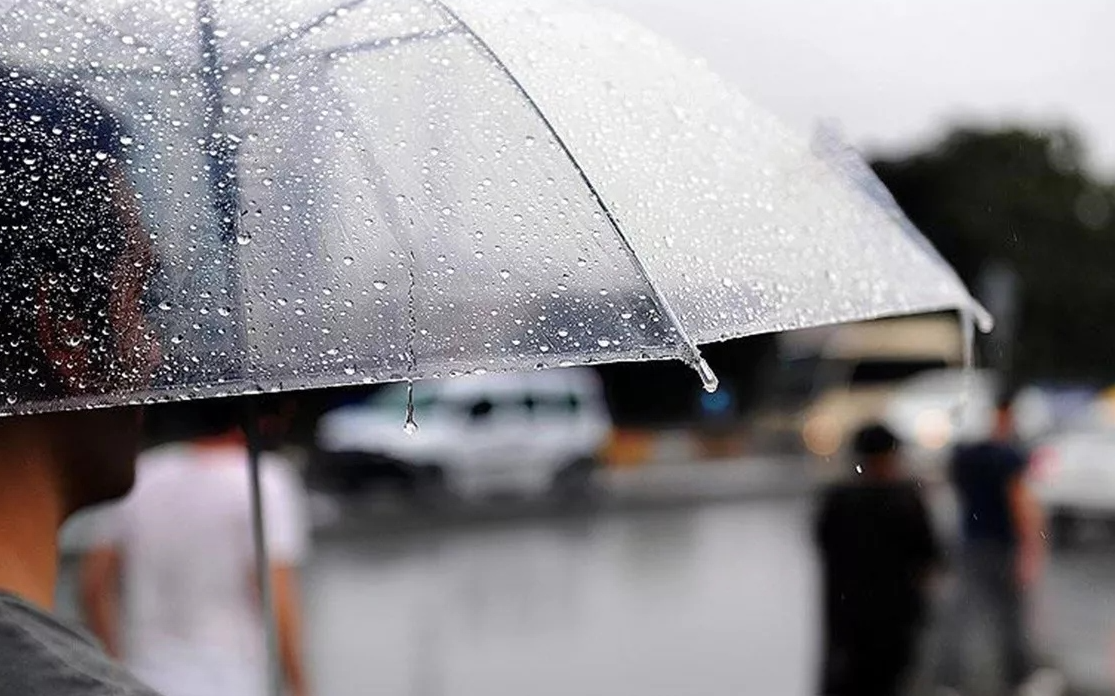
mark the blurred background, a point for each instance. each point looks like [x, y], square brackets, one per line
[619, 530]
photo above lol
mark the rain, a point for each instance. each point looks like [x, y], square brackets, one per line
[419, 294]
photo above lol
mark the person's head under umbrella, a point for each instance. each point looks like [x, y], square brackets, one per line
[74, 262]
[876, 452]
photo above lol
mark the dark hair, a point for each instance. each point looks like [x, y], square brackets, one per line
[874, 440]
[62, 225]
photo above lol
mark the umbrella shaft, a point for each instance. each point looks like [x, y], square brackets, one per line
[263, 564]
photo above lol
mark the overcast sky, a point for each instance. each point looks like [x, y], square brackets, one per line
[895, 72]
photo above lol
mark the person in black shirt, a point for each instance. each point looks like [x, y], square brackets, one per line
[1000, 553]
[877, 551]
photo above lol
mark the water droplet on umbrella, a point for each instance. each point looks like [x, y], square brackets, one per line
[603, 342]
[100, 156]
[177, 339]
[262, 98]
[243, 237]
[727, 282]
[379, 285]
[505, 274]
[126, 140]
[410, 427]
[529, 140]
[165, 306]
[224, 311]
[348, 260]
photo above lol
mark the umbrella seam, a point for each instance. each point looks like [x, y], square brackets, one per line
[694, 354]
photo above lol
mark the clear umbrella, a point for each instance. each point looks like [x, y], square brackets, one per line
[328, 192]
[363, 191]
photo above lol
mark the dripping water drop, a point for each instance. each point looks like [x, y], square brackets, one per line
[410, 427]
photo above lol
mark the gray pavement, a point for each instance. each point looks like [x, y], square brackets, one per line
[647, 589]
[708, 601]
[650, 487]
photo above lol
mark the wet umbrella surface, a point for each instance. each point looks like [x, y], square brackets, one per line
[345, 193]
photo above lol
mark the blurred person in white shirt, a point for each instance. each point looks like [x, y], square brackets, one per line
[169, 585]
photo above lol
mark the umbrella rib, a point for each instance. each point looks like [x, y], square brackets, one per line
[298, 33]
[385, 42]
[94, 22]
[693, 358]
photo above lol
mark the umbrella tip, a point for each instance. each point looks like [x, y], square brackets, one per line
[708, 378]
[410, 427]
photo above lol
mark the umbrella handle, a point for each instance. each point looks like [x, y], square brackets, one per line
[259, 542]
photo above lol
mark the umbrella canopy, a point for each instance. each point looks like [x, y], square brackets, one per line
[327, 192]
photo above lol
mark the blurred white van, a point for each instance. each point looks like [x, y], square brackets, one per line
[861, 367]
[935, 411]
[524, 433]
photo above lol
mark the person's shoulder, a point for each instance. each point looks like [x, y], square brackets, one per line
[40, 656]
[840, 493]
[906, 487]
[965, 451]
[974, 452]
[158, 458]
[911, 491]
[1012, 456]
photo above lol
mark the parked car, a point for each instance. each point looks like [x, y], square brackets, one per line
[1073, 472]
[524, 433]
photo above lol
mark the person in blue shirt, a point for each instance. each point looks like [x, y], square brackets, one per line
[1000, 554]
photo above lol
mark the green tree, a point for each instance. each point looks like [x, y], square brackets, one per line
[1027, 199]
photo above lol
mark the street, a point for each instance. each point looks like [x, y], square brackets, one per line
[704, 599]
[667, 589]
[710, 600]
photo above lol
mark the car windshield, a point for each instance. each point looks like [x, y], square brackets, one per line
[869, 372]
